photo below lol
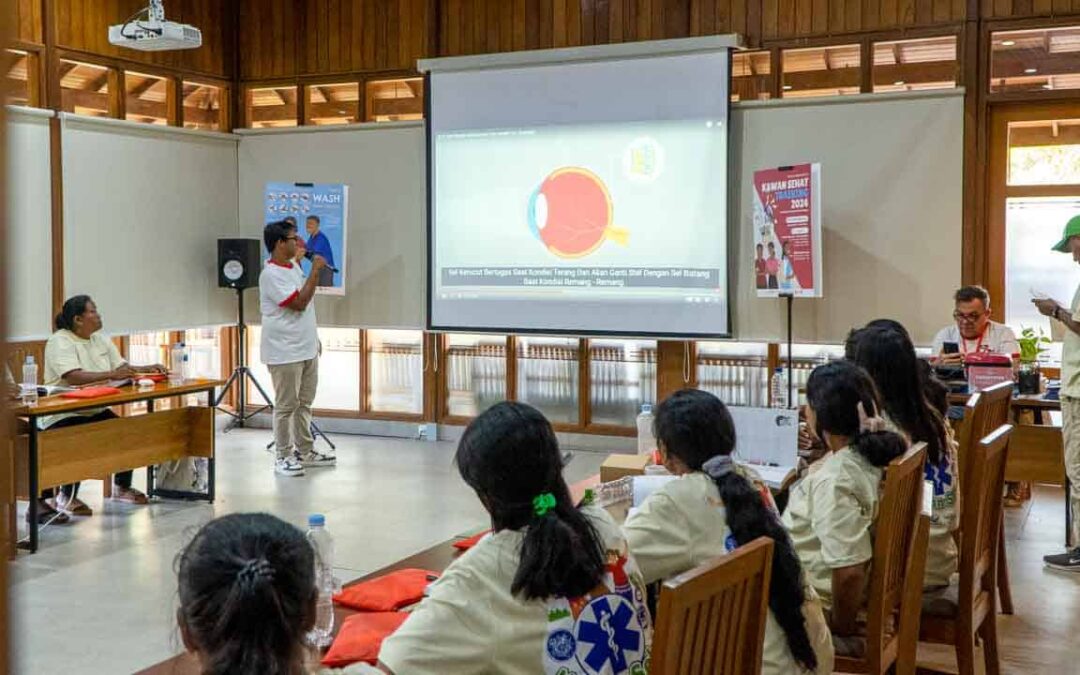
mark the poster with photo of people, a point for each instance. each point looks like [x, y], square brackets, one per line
[787, 231]
[319, 211]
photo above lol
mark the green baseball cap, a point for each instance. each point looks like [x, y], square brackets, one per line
[1072, 229]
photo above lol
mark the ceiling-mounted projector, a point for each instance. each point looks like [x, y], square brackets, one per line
[148, 31]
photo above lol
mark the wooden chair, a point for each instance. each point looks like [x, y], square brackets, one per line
[896, 574]
[957, 621]
[711, 619]
[986, 411]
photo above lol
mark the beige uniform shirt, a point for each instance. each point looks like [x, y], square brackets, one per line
[471, 623]
[65, 351]
[1070, 355]
[830, 516]
[684, 524]
[941, 554]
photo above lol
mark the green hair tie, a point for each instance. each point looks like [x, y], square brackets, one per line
[542, 503]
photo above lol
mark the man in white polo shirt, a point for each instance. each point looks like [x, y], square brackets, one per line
[290, 348]
[1070, 397]
[973, 331]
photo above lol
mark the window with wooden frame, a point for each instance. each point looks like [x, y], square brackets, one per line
[147, 98]
[395, 371]
[1034, 189]
[339, 370]
[915, 65]
[751, 76]
[622, 378]
[475, 369]
[204, 106]
[271, 107]
[821, 71]
[1035, 60]
[21, 78]
[548, 376]
[335, 103]
[737, 373]
[204, 351]
[84, 88]
[394, 100]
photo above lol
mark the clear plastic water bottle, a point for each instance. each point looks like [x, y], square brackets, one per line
[646, 441]
[779, 389]
[323, 544]
[176, 363]
[29, 381]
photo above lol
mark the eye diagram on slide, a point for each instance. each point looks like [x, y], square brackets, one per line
[620, 211]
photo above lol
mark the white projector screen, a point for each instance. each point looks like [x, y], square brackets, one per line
[580, 195]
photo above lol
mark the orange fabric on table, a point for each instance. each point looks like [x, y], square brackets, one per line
[466, 544]
[361, 636]
[387, 593]
[90, 392]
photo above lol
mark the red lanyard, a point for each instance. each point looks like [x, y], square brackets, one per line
[978, 345]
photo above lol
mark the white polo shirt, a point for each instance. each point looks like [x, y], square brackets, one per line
[998, 339]
[64, 352]
[288, 336]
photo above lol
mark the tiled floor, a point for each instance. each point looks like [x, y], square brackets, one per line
[100, 596]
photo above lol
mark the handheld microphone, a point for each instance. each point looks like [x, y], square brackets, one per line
[309, 255]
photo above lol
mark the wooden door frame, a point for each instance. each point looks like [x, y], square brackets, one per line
[998, 192]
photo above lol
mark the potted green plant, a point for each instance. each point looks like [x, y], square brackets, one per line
[1031, 346]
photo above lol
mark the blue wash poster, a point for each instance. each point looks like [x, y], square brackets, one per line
[319, 211]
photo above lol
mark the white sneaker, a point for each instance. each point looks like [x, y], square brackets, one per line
[316, 458]
[289, 465]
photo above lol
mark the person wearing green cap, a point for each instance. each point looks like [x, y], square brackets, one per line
[1070, 397]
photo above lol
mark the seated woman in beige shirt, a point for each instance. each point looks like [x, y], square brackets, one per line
[713, 507]
[552, 590]
[832, 510]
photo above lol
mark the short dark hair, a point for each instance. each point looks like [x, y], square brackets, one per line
[315, 218]
[969, 293]
[277, 231]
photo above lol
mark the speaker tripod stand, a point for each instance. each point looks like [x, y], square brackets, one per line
[241, 375]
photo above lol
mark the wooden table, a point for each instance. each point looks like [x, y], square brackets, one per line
[100, 449]
[437, 558]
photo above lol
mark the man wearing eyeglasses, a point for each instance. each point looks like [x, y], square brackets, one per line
[290, 348]
[974, 332]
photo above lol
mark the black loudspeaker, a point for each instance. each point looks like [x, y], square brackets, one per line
[239, 262]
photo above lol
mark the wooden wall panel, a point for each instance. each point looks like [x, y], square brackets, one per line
[485, 26]
[83, 26]
[786, 19]
[26, 21]
[1020, 9]
[292, 38]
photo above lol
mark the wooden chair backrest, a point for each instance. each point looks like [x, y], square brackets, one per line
[894, 538]
[981, 517]
[711, 619]
[985, 411]
[16, 356]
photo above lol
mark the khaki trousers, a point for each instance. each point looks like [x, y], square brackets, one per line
[1070, 431]
[294, 392]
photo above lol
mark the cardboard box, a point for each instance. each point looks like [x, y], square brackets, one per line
[618, 465]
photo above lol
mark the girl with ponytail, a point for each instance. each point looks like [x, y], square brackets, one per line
[247, 596]
[552, 584]
[831, 512]
[712, 507]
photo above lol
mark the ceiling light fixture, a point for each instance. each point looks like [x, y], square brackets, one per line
[1008, 43]
[1030, 71]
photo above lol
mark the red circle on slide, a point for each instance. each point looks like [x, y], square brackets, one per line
[578, 211]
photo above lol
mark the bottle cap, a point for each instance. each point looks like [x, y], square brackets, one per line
[316, 520]
[646, 407]
[29, 358]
